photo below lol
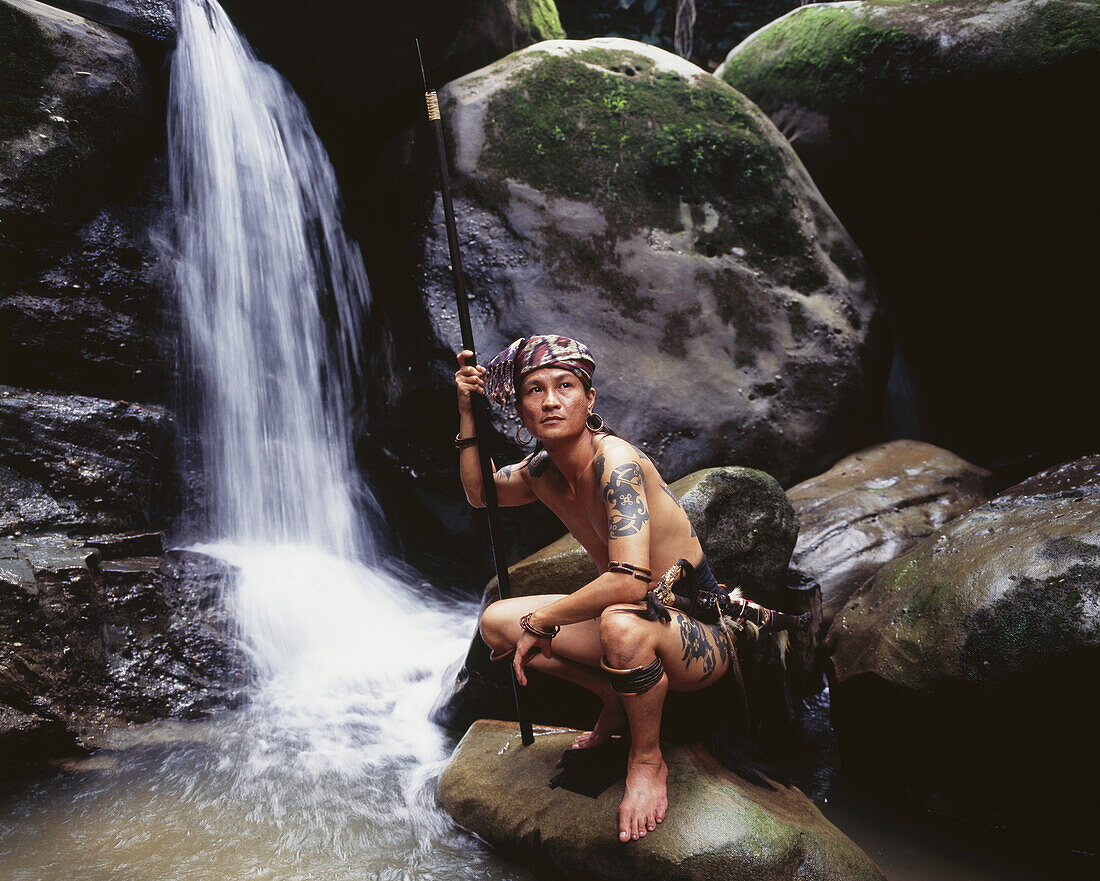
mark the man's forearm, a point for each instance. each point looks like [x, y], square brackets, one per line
[589, 601]
[469, 463]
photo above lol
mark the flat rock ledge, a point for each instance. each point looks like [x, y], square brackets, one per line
[717, 828]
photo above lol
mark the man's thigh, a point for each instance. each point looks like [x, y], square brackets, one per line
[694, 654]
[578, 642]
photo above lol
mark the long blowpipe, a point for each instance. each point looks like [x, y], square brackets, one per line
[482, 423]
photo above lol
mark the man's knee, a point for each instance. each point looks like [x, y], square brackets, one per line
[493, 627]
[623, 631]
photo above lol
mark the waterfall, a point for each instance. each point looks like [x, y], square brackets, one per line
[272, 294]
[262, 261]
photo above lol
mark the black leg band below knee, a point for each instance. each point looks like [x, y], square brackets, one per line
[638, 680]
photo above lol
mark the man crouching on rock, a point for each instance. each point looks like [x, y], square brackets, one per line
[612, 500]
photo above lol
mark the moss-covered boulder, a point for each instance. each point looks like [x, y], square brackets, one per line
[873, 506]
[614, 192]
[717, 825]
[748, 529]
[72, 117]
[954, 141]
[965, 671]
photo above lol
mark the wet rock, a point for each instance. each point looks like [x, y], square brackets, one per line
[614, 192]
[71, 122]
[747, 528]
[873, 506]
[83, 463]
[135, 544]
[717, 826]
[33, 737]
[942, 134]
[982, 642]
[90, 320]
[174, 647]
[87, 644]
[145, 19]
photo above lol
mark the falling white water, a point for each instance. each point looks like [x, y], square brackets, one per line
[262, 258]
[271, 294]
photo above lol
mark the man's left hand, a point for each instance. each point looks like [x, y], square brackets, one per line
[525, 649]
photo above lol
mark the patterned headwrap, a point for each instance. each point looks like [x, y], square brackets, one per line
[506, 370]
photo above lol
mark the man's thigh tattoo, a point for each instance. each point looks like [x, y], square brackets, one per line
[693, 638]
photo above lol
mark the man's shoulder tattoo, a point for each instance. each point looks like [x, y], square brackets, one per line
[624, 492]
[538, 463]
[597, 467]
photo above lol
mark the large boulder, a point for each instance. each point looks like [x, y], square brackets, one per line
[152, 20]
[874, 506]
[83, 464]
[962, 671]
[951, 139]
[717, 825]
[614, 192]
[91, 637]
[72, 118]
[748, 529]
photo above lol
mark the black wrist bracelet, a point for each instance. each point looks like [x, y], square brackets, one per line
[462, 442]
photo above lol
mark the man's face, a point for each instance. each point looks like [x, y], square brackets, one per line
[553, 403]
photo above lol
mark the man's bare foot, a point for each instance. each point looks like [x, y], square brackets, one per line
[612, 718]
[646, 798]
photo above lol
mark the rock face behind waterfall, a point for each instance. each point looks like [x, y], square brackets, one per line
[614, 192]
[965, 672]
[954, 140]
[874, 506]
[80, 296]
[90, 321]
[717, 826]
[75, 97]
[104, 631]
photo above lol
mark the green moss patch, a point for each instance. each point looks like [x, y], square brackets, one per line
[824, 57]
[609, 128]
[820, 57]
